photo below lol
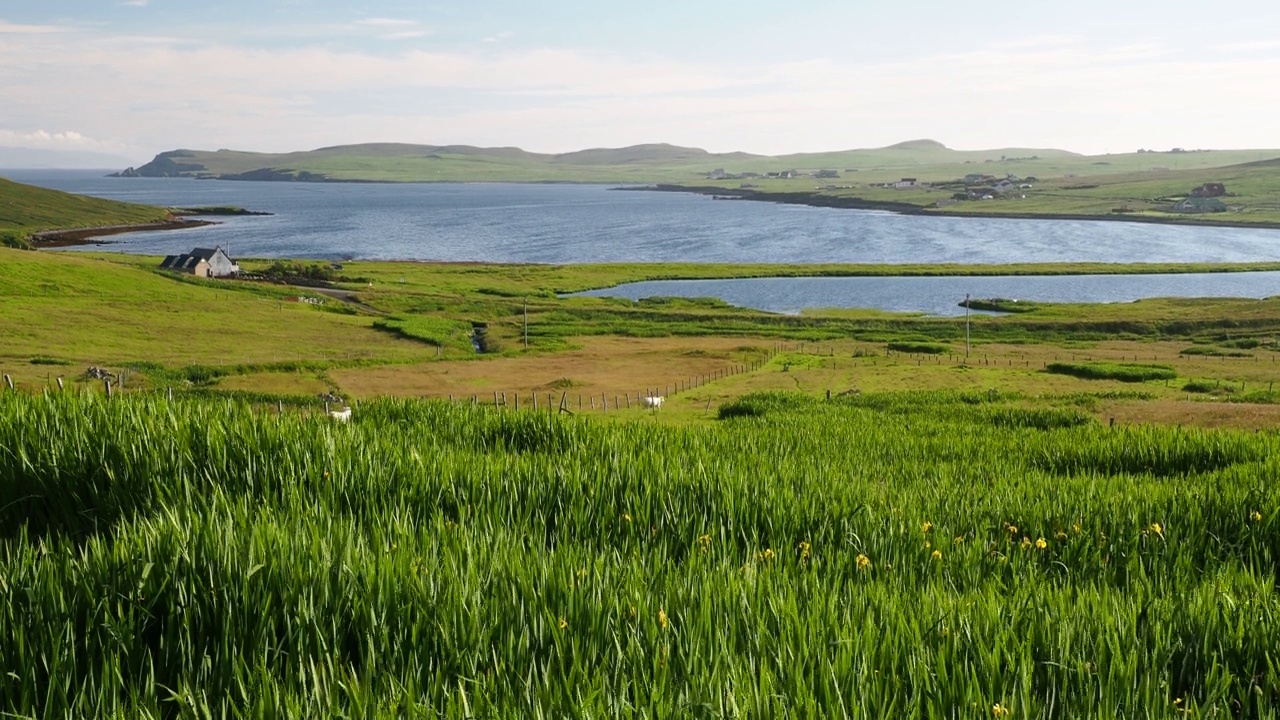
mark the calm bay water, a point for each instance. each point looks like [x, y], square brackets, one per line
[591, 223]
[942, 295]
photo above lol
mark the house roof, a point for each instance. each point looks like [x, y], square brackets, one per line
[189, 261]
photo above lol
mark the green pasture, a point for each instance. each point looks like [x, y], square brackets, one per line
[882, 555]
[25, 209]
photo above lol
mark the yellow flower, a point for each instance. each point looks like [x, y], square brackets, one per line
[626, 517]
[804, 551]
[662, 619]
[937, 555]
[1060, 536]
[926, 526]
[1158, 529]
[705, 541]
[1075, 528]
[767, 555]
[959, 540]
[1013, 529]
[1255, 516]
[863, 562]
[1041, 544]
[927, 544]
[563, 623]
[999, 710]
[1026, 542]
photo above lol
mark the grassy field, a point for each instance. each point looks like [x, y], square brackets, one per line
[800, 558]
[1119, 191]
[409, 335]
[25, 209]
[836, 514]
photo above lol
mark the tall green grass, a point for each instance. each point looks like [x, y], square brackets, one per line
[883, 556]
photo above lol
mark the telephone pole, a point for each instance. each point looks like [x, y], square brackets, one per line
[966, 327]
[526, 323]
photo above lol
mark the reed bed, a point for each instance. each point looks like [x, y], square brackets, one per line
[892, 556]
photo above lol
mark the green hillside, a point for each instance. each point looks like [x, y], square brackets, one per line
[25, 209]
[393, 162]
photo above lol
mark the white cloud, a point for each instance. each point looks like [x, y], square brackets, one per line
[21, 29]
[1054, 92]
[61, 140]
[134, 3]
[385, 22]
[504, 35]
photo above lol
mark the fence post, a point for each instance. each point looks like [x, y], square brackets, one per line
[59, 383]
[107, 383]
[8, 381]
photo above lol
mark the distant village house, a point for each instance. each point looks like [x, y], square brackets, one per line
[905, 183]
[203, 262]
[1210, 190]
[1200, 205]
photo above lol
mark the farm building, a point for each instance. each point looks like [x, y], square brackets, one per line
[1200, 205]
[203, 262]
[1210, 190]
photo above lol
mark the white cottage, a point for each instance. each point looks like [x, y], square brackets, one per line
[203, 262]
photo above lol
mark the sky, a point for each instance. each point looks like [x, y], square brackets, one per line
[137, 77]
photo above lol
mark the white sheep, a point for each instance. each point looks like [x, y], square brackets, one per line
[653, 401]
[342, 415]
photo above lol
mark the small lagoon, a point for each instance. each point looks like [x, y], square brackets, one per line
[942, 295]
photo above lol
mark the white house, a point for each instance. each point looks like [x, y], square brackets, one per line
[203, 262]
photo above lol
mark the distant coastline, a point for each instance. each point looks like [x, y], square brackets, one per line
[814, 199]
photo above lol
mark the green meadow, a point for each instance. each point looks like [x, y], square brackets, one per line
[881, 555]
[1066, 511]
[25, 209]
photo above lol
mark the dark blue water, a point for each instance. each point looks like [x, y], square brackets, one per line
[942, 295]
[591, 223]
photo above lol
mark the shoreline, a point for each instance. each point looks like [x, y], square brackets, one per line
[813, 199]
[47, 239]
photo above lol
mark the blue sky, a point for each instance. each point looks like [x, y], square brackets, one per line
[135, 77]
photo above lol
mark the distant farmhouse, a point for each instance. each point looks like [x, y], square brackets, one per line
[203, 262]
[1200, 205]
[1210, 190]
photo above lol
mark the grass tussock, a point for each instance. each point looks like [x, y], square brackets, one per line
[1124, 372]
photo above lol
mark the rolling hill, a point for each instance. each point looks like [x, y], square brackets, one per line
[398, 162]
[25, 209]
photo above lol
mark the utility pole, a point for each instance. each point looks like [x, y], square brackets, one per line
[966, 327]
[526, 323]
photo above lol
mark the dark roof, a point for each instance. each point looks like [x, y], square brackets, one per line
[205, 253]
[180, 262]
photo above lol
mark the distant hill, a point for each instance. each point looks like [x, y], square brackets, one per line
[651, 163]
[25, 209]
[38, 159]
